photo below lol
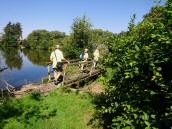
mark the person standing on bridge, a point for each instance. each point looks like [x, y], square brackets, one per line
[84, 57]
[96, 57]
[57, 57]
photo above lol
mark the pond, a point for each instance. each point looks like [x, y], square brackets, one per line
[22, 66]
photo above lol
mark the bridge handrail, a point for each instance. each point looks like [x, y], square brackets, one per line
[75, 62]
[71, 61]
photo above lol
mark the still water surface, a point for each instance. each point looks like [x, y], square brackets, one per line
[23, 66]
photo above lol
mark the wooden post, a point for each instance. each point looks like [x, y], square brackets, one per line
[91, 70]
[49, 73]
[77, 84]
[8, 91]
[64, 74]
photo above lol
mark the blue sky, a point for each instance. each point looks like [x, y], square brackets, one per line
[112, 15]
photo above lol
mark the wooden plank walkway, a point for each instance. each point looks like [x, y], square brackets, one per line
[69, 79]
[47, 87]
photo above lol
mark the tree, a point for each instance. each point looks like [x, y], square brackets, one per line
[12, 34]
[43, 39]
[56, 37]
[39, 39]
[18, 31]
[81, 33]
[69, 49]
[131, 24]
[99, 36]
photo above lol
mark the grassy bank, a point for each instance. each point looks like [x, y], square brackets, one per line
[58, 110]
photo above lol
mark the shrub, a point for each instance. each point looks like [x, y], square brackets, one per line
[139, 93]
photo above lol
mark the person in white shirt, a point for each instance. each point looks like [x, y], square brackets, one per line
[85, 58]
[96, 57]
[86, 55]
[57, 57]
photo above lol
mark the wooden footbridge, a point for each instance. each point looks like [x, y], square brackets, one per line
[72, 76]
[72, 73]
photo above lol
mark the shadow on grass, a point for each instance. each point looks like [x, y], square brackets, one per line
[99, 100]
[26, 112]
[9, 108]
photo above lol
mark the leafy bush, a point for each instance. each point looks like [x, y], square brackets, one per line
[139, 93]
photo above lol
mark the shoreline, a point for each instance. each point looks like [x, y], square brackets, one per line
[94, 87]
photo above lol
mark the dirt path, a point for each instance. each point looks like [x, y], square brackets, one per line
[42, 88]
[94, 87]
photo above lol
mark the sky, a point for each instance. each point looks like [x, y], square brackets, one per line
[111, 15]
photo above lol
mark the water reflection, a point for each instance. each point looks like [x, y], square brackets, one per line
[24, 66]
[12, 57]
[38, 57]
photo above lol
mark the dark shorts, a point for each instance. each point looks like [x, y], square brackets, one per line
[59, 67]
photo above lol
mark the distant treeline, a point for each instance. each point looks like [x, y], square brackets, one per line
[82, 36]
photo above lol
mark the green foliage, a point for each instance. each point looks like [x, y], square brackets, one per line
[36, 95]
[72, 69]
[24, 44]
[132, 22]
[101, 39]
[80, 35]
[81, 32]
[99, 36]
[12, 34]
[139, 93]
[70, 51]
[57, 37]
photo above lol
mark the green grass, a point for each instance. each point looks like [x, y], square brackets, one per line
[58, 110]
[72, 69]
